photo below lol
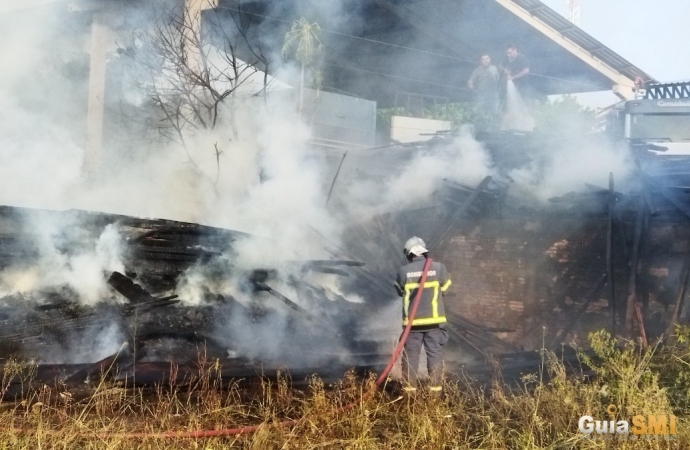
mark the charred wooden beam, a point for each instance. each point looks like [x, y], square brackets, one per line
[339, 252]
[155, 303]
[30, 330]
[574, 197]
[108, 366]
[464, 339]
[649, 182]
[294, 306]
[609, 254]
[682, 293]
[335, 262]
[330, 270]
[132, 291]
[602, 191]
[462, 324]
[457, 214]
[335, 177]
[139, 297]
[576, 318]
[634, 263]
[461, 187]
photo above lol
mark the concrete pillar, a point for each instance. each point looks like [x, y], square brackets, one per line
[192, 30]
[94, 120]
[624, 92]
[196, 6]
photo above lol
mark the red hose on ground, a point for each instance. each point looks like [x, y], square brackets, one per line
[286, 423]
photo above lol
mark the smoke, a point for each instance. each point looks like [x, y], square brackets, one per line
[571, 167]
[41, 162]
[463, 160]
[92, 344]
[250, 172]
[257, 324]
[392, 179]
[569, 156]
[242, 182]
[58, 264]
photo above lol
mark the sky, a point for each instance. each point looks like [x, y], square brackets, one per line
[13, 5]
[652, 35]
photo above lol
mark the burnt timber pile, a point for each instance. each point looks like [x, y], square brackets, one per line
[142, 324]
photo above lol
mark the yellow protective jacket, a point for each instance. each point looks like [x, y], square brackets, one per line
[431, 310]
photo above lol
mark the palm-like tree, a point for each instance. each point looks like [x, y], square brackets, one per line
[305, 36]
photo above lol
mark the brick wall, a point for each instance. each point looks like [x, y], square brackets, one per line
[533, 275]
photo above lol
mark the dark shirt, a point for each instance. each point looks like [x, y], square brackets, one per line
[516, 66]
[431, 309]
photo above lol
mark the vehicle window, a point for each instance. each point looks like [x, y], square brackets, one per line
[675, 127]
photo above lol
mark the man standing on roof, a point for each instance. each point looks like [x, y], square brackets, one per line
[484, 80]
[517, 95]
[516, 68]
[428, 325]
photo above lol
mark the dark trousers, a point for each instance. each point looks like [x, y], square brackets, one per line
[433, 340]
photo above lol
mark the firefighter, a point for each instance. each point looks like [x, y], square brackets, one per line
[428, 326]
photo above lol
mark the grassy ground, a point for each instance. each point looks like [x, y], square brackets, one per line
[541, 414]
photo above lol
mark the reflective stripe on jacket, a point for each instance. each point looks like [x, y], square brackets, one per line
[431, 310]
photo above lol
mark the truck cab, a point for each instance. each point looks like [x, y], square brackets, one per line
[658, 124]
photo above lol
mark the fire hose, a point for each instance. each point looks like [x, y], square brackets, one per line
[291, 422]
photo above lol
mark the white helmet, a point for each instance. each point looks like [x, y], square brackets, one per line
[415, 246]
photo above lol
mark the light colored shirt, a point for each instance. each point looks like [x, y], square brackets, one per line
[485, 79]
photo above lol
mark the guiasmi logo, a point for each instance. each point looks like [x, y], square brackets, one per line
[641, 427]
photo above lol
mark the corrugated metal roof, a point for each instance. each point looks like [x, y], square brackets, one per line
[575, 34]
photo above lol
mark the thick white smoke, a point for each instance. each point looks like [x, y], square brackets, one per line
[254, 177]
[392, 179]
[571, 167]
[83, 270]
[257, 181]
[463, 160]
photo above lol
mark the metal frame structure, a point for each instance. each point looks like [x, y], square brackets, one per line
[658, 91]
[574, 11]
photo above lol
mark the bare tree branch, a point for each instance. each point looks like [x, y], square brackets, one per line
[193, 74]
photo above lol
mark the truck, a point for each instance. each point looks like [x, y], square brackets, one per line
[656, 125]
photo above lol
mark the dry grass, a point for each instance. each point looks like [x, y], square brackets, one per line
[542, 414]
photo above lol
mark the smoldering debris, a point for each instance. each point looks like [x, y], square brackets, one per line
[169, 291]
[182, 290]
[277, 316]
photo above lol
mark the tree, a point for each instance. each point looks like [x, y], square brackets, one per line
[191, 73]
[564, 115]
[306, 36]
